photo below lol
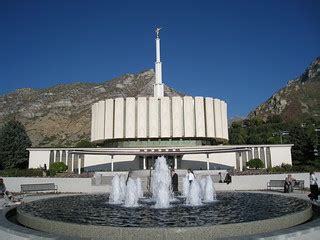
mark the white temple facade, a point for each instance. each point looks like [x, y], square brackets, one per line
[131, 132]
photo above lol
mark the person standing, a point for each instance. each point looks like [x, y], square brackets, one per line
[3, 188]
[313, 187]
[174, 181]
[190, 176]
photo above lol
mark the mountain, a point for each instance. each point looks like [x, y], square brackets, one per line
[298, 100]
[61, 115]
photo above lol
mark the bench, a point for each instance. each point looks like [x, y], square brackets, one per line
[38, 187]
[298, 184]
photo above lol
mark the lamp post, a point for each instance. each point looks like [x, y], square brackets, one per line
[281, 134]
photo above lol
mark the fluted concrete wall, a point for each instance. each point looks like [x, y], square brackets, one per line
[166, 117]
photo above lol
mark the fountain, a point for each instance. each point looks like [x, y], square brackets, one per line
[194, 194]
[197, 213]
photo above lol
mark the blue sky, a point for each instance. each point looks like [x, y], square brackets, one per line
[241, 51]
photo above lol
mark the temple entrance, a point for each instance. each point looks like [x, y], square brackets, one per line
[150, 161]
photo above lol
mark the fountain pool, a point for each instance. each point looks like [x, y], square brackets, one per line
[199, 212]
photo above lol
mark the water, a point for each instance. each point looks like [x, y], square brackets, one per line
[161, 183]
[199, 191]
[139, 188]
[232, 207]
[131, 196]
[116, 196]
[209, 190]
[185, 187]
[195, 197]
[128, 194]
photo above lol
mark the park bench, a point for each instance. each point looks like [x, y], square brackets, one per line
[38, 187]
[298, 184]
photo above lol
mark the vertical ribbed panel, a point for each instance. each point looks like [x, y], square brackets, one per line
[96, 122]
[142, 117]
[130, 118]
[188, 112]
[209, 118]
[119, 118]
[199, 116]
[108, 131]
[100, 120]
[93, 117]
[217, 118]
[224, 120]
[153, 118]
[177, 117]
[165, 117]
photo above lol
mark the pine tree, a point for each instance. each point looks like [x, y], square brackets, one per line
[13, 143]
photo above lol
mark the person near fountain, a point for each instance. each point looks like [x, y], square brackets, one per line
[2, 187]
[129, 175]
[8, 196]
[174, 181]
[227, 179]
[190, 176]
[313, 187]
[288, 184]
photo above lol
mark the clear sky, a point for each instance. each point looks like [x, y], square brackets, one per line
[237, 50]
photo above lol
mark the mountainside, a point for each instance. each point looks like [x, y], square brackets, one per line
[61, 115]
[298, 100]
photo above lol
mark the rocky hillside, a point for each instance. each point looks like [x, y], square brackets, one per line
[61, 115]
[298, 100]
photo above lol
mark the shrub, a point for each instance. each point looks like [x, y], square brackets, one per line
[255, 163]
[57, 167]
[13, 172]
[85, 144]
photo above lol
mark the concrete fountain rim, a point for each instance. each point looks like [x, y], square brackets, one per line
[204, 232]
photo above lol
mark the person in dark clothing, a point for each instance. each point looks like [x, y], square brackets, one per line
[227, 179]
[313, 187]
[2, 187]
[220, 177]
[174, 181]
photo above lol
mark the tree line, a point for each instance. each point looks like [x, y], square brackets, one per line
[275, 131]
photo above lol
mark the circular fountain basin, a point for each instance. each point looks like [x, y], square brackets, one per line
[234, 214]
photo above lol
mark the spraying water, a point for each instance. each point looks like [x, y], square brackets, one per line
[185, 187]
[161, 183]
[131, 199]
[195, 192]
[209, 191]
[122, 187]
[115, 195]
[194, 197]
[139, 188]
[203, 183]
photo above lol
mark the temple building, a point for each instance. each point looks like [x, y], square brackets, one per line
[130, 133]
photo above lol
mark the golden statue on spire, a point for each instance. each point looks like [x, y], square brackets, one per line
[158, 32]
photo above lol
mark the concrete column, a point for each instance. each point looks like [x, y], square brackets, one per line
[265, 158]
[79, 164]
[144, 162]
[60, 158]
[111, 163]
[54, 155]
[240, 161]
[72, 162]
[208, 163]
[175, 162]
[67, 153]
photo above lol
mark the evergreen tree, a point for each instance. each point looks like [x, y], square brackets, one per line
[13, 143]
[302, 151]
